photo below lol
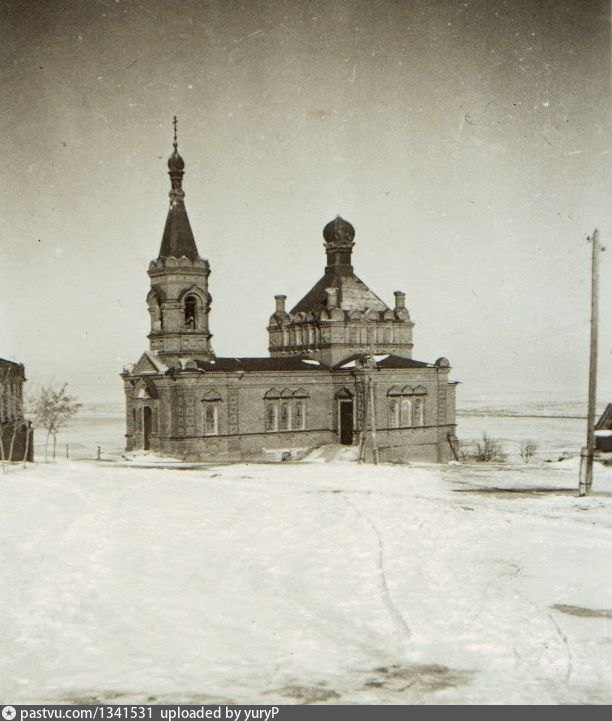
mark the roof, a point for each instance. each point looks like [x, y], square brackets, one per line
[353, 294]
[605, 422]
[283, 363]
[296, 364]
[178, 239]
[5, 361]
[384, 361]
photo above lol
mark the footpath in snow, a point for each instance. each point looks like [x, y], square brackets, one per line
[305, 583]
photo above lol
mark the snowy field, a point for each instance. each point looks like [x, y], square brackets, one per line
[305, 583]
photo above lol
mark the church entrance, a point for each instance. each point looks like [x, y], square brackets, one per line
[345, 421]
[146, 426]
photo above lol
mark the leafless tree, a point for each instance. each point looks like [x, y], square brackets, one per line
[11, 412]
[489, 450]
[527, 450]
[52, 408]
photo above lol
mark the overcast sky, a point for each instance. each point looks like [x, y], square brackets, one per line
[467, 142]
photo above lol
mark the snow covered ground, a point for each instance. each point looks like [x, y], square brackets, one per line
[305, 583]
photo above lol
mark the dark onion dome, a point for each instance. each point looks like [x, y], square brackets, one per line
[175, 162]
[339, 232]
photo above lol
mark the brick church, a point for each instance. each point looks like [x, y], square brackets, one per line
[340, 369]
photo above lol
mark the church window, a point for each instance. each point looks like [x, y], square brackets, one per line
[271, 417]
[419, 412]
[191, 309]
[211, 419]
[285, 416]
[299, 418]
[394, 413]
[355, 334]
[406, 412]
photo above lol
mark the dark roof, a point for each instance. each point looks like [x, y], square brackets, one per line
[284, 363]
[178, 237]
[353, 294]
[297, 363]
[4, 361]
[605, 422]
[386, 361]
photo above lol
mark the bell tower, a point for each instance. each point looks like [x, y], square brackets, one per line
[179, 301]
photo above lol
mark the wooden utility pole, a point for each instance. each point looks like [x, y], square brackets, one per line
[364, 427]
[373, 419]
[587, 454]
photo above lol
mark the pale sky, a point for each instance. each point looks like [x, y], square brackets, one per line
[467, 142]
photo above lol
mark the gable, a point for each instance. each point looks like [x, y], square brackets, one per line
[148, 363]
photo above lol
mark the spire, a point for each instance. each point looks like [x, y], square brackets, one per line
[176, 168]
[178, 237]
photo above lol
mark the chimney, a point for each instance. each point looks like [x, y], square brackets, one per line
[280, 303]
[332, 298]
[400, 300]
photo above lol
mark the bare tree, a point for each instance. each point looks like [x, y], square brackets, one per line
[52, 409]
[11, 410]
[489, 450]
[527, 450]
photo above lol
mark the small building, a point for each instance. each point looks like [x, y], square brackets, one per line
[340, 368]
[16, 442]
[603, 431]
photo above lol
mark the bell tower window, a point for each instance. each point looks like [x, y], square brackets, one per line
[191, 312]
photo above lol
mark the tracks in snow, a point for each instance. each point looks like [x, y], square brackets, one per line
[396, 616]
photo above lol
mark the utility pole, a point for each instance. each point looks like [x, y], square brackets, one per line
[587, 453]
[373, 419]
[364, 425]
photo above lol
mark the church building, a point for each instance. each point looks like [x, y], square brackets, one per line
[340, 369]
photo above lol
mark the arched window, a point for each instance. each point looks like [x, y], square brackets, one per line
[406, 412]
[211, 401]
[394, 413]
[285, 416]
[298, 416]
[418, 412]
[154, 311]
[211, 419]
[271, 416]
[191, 312]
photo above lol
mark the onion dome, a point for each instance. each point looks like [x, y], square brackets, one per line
[175, 162]
[339, 232]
